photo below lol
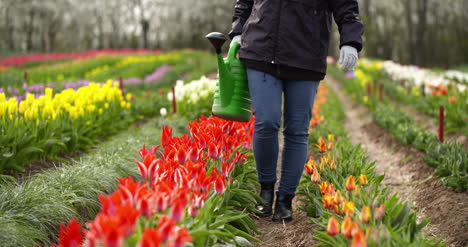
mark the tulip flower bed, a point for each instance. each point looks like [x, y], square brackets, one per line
[104, 68]
[192, 192]
[33, 59]
[422, 89]
[449, 159]
[67, 121]
[194, 98]
[345, 197]
[33, 208]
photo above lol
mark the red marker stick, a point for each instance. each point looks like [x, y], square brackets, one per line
[381, 92]
[441, 124]
[174, 104]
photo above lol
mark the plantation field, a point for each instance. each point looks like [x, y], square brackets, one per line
[119, 148]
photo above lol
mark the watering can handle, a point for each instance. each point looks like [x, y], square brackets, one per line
[233, 51]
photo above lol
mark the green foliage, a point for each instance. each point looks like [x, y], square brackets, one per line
[398, 227]
[31, 211]
[449, 159]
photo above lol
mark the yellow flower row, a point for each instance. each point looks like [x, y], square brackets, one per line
[94, 97]
[134, 60]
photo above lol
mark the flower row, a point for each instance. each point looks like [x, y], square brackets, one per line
[179, 193]
[20, 60]
[50, 124]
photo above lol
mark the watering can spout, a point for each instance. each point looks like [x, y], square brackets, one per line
[231, 99]
[218, 40]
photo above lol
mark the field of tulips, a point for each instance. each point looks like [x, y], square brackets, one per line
[37, 59]
[194, 180]
[51, 118]
[344, 196]
[195, 190]
[448, 158]
[422, 89]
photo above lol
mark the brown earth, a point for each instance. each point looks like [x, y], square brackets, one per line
[407, 175]
[297, 233]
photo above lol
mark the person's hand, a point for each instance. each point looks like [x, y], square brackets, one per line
[348, 58]
[236, 39]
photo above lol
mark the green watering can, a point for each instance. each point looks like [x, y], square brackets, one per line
[232, 98]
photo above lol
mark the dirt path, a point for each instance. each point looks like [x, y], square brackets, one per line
[407, 175]
[296, 233]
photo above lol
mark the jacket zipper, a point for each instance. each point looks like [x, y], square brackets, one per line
[277, 33]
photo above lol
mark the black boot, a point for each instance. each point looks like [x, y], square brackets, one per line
[267, 194]
[283, 207]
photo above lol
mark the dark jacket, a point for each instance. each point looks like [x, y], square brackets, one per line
[294, 33]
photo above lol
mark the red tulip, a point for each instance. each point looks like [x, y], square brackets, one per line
[166, 226]
[182, 237]
[178, 210]
[333, 227]
[220, 184]
[150, 238]
[194, 153]
[71, 235]
[181, 155]
[213, 151]
[166, 136]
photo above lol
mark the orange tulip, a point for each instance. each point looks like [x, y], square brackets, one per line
[365, 214]
[363, 179]
[355, 228]
[331, 139]
[336, 209]
[323, 163]
[327, 189]
[333, 164]
[333, 226]
[452, 100]
[322, 146]
[350, 183]
[356, 189]
[328, 202]
[359, 239]
[338, 197]
[348, 208]
[380, 212]
[347, 227]
[315, 178]
[310, 167]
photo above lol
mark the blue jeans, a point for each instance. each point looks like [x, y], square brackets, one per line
[266, 92]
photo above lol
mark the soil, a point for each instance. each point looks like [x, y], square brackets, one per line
[296, 233]
[407, 175]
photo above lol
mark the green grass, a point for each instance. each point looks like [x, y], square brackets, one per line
[31, 212]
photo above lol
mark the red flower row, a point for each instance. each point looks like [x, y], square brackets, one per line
[174, 183]
[20, 60]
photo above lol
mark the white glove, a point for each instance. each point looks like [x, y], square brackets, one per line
[348, 58]
[236, 39]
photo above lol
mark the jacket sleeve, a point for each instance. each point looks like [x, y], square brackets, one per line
[346, 14]
[242, 11]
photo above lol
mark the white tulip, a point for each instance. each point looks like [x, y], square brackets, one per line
[163, 111]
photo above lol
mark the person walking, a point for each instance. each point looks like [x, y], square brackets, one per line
[284, 46]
